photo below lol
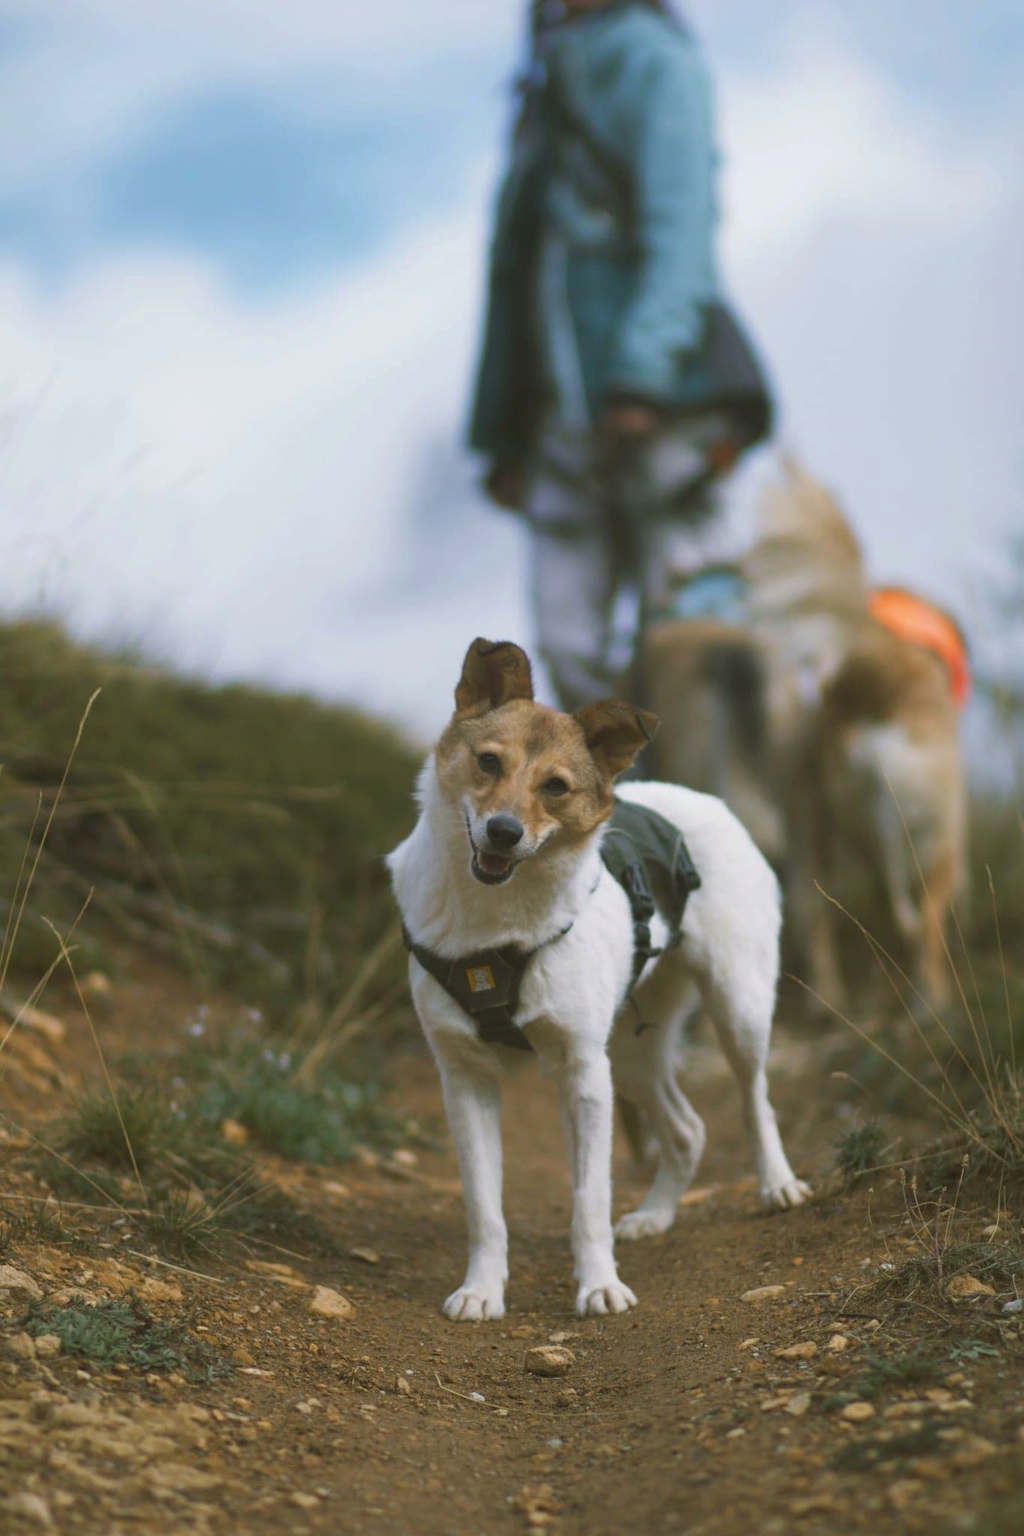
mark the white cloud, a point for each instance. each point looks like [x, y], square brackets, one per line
[824, 140]
[89, 76]
[228, 482]
[239, 484]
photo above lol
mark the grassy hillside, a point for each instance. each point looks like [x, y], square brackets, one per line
[233, 830]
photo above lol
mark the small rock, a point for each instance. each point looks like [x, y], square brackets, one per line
[902, 1492]
[805, 1351]
[872, 1325]
[52, 1029]
[798, 1404]
[159, 1290]
[1011, 1308]
[234, 1132]
[339, 1191]
[96, 987]
[763, 1293]
[971, 1453]
[405, 1156]
[562, 1336]
[748, 1343]
[990, 1232]
[47, 1345]
[21, 1345]
[549, 1360]
[12, 1279]
[838, 1342]
[305, 1500]
[30, 1507]
[857, 1413]
[964, 1287]
[328, 1303]
[365, 1255]
[567, 1397]
[697, 1196]
[402, 1386]
[812, 1504]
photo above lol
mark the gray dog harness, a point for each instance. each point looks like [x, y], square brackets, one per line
[647, 856]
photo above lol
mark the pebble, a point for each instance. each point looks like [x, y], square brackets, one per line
[402, 1386]
[798, 1404]
[963, 1287]
[567, 1397]
[234, 1132]
[159, 1290]
[549, 1360]
[12, 1279]
[805, 1351]
[838, 1342]
[763, 1293]
[1011, 1308]
[305, 1500]
[328, 1303]
[47, 1345]
[857, 1413]
[365, 1255]
[21, 1345]
[30, 1507]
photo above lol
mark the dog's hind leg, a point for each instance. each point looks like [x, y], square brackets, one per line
[644, 1066]
[741, 1007]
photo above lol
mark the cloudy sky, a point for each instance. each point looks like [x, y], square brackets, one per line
[240, 266]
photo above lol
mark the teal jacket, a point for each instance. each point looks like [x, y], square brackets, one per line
[603, 273]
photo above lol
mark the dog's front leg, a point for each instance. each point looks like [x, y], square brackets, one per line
[473, 1103]
[586, 1086]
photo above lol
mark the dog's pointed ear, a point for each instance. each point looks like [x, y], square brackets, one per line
[493, 673]
[615, 732]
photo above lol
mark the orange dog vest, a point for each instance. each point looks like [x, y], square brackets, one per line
[912, 618]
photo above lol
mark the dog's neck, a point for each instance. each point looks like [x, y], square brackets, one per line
[448, 910]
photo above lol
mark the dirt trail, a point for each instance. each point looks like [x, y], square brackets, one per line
[678, 1417]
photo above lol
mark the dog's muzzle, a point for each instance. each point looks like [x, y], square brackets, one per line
[496, 863]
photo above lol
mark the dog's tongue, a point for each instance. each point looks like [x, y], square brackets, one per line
[493, 863]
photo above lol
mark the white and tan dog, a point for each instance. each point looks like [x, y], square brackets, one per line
[507, 852]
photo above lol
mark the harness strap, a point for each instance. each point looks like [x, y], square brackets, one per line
[485, 984]
[638, 842]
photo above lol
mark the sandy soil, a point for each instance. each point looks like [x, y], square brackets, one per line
[680, 1417]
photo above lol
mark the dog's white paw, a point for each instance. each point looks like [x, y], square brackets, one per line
[637, 1224]
[598, 1301]
[475, 1304]
[786, 1195]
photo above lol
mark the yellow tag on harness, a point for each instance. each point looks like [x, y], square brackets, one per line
[481, 979]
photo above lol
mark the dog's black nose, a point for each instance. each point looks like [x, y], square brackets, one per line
[504, 831]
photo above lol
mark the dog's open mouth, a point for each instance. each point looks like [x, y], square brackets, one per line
[491, 868]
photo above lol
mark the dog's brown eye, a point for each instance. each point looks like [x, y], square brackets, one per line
[490, 762]
[556, 787]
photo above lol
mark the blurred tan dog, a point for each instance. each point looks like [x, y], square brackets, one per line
[704, 677]
[865, 738]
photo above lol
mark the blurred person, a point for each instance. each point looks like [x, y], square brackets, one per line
[615, 387]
